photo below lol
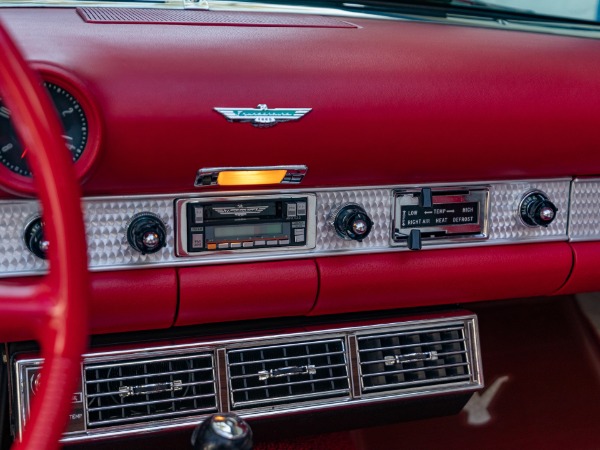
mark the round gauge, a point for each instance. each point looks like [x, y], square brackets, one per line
[72, 117]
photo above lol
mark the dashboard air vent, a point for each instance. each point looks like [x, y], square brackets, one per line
[417, 359]
[134, 391]
[293, 372]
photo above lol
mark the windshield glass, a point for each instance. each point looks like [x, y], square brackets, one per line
[572, 9]
[527, 10]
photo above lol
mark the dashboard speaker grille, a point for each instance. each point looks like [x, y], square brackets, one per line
[140, 390]
[270, 375]
[207, 18]
[414, 359]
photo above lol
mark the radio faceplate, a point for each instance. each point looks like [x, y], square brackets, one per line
[453, 214]
[245, 224]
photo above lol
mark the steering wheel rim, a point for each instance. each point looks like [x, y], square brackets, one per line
[51, 310]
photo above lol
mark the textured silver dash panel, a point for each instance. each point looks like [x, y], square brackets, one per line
[106, 225]
[584, 222]
[504, 223]
[14, 256]
[376, 202]
[106, 222]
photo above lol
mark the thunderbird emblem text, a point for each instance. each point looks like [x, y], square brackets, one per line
[262, 115]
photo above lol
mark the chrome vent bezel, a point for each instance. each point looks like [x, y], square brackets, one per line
[404, 362]
[167, 386]
[263, 386]
[220, 350]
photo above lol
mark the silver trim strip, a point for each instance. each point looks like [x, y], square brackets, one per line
[106, 219]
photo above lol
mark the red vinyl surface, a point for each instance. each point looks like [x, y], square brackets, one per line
[133, 300]
[422, 278]
[586, 269]
[246, 291]
[404, 102]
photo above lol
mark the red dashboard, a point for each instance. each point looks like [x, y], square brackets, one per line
[396, 106]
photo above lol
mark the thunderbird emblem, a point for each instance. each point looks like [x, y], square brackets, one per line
[262, 115]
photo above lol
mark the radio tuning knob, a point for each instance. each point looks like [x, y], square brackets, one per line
[146, 233]
[34, 238]
[351, 221]
[536, 209]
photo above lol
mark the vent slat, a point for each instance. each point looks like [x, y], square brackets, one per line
[379, 361]
[134, 377]
[417, 369]
[154, 402]
[291, 383]
[126, 363]
[293, 344]
[413, 332]
[105, 394]
[417, 383]
[290, 358]
[330, 366]
[420, 344]
[150, 417]
[339, 392]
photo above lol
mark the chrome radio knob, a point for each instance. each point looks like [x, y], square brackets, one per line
[146, 233]
[34, 238]
[351, 221]
[536, 209]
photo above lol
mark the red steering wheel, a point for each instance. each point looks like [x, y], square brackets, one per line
[53, 309]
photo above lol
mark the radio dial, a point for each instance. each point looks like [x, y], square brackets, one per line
[351, 221]
[537, 210]
[34, 238]
[146, 233]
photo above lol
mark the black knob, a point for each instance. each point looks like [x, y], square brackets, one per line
[537, 210]
[34, 238]
[351, 221]
[146, 233]
[222, 432]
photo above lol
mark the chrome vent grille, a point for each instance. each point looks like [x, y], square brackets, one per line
[414, 359]
[176, 386]
[270, 375]
[126, 391]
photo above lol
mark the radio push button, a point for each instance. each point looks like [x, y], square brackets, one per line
[247, 244]
[291, 210]
[223, 245]
[236, 245]
[301, 208]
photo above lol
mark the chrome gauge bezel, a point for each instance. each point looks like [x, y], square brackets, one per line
[22, 183]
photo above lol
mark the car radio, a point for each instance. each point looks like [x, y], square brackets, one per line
[260, 223]
[440, 215]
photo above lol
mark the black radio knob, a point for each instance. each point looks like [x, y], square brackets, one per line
[351, 221]
[146, 233]
[34, 238]
[536, 209]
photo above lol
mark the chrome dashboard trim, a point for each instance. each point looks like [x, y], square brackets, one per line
[106, 219]
[219, 347]
[294, 174]
[181, 226]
